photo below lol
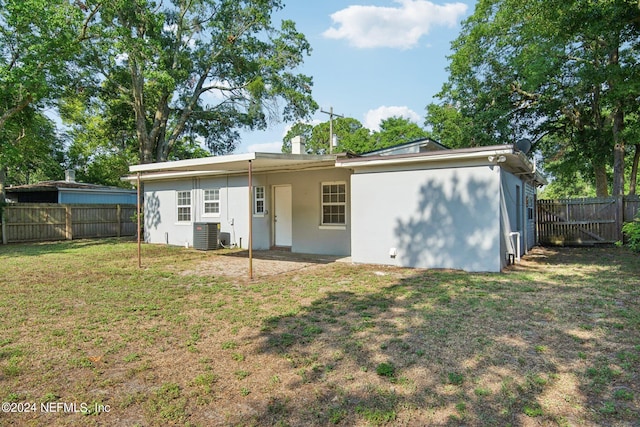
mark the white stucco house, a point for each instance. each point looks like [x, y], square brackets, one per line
[414, 205]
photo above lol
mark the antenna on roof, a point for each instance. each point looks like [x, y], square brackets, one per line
[523, 145]
[331, 114]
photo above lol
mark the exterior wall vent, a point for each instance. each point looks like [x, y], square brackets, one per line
[205, 235]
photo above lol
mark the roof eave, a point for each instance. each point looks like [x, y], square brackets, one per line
[230, 165]
[433, 156]
[190, 163]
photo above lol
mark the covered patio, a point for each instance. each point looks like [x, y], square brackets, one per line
[265, 263]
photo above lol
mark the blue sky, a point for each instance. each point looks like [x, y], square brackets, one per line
[371, 59]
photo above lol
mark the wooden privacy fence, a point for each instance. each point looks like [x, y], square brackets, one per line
[38, 222]
[584, 221]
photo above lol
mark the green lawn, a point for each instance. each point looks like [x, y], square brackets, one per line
[554, 341]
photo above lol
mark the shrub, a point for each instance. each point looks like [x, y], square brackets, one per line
[632, 232]
[385, 369]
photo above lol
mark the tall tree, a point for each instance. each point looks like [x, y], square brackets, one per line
[38, 38]
[632, 133]
[102, 135]
[397, 130]
[558, 72]
[102, 140]
[351, 136]
[197, 68]
[449, 126]
[30, 150]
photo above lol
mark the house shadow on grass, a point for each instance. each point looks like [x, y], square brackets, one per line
[452, 348]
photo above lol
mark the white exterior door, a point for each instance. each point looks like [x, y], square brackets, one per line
[282, 219]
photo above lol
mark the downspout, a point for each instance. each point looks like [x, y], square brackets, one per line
[505, 232]
[525, 228]
[517, 234]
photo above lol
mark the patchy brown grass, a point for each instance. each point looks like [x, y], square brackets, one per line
[553, 341]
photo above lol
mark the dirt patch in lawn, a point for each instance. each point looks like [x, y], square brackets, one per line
[265, 263]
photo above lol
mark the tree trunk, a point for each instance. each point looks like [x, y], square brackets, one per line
[618, 153]
[146, 144]
[602, 184]
[634, 171]
[3, 179]
[618, 125]
[162, 146]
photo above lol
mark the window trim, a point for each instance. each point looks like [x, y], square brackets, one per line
[205, 202]
[179, 206]
[333, 225]
[263, 199]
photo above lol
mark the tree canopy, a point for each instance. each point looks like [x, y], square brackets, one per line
[193, 70]
[564, 74]
[31, 151]
[38, 39]
[352, 136]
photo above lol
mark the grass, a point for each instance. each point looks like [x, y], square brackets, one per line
[552, 341]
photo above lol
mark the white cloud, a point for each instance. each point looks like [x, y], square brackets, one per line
[373, 118]
[396, 27]
[265, 147]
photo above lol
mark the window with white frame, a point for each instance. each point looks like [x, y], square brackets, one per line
[258, 200]
[184, 206]
[334, 203]
[212, 202]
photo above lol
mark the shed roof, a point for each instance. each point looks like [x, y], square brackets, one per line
[64, 185]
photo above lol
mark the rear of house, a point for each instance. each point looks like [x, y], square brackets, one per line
[420, 206]
[299, 211]
[463, 209]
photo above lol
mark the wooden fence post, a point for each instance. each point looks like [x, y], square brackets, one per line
[3, 223]
[119, 214]
[619, 216]
[68, 223]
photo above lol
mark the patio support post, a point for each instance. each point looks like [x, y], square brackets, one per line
[138, 219]
[250, 220]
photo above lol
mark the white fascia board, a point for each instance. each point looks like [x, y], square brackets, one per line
[169, 175]
[192, 163]
[230, 165]
[234, 162]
